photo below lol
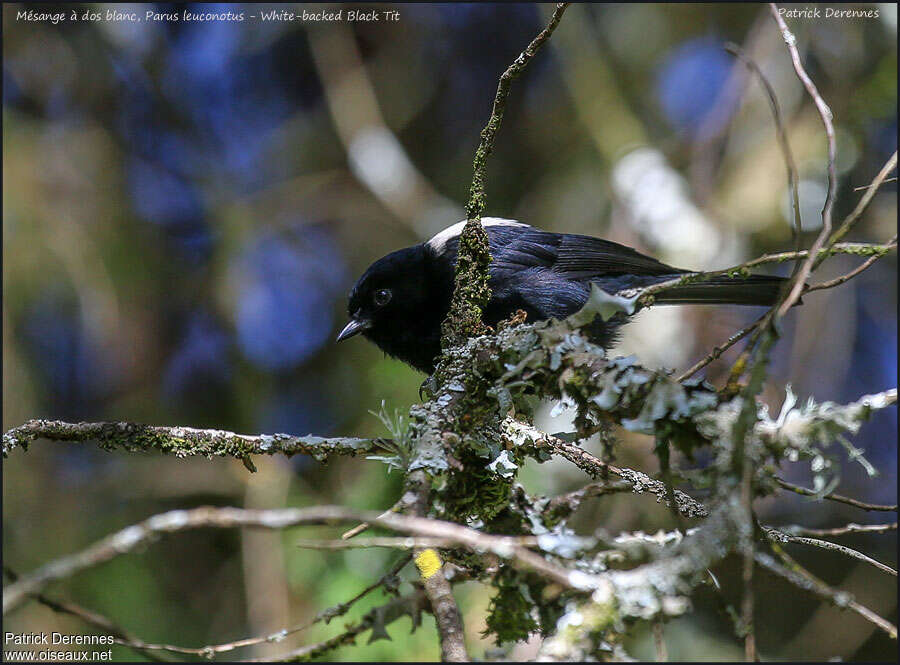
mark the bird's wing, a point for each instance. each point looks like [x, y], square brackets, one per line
[574, 256]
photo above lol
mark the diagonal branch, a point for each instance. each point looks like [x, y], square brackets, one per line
[800, 578]
[797, 489]
[122, 636]
[863, 203]
[212, 650]
[825, 113]
[841, 530]
[780, 536]
[378, 616]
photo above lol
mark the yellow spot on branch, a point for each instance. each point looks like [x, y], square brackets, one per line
[428, 562]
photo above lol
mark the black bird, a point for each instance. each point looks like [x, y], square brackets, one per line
[401, 300]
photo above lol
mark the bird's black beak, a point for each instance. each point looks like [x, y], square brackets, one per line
[355, 327]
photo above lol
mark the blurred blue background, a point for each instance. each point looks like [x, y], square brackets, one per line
[186, 206]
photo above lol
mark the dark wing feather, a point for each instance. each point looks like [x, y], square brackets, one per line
[583, 257]
[573, 256]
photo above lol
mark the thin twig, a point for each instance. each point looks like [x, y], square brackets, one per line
[864, 201]
[837, 281]
[400, 543]
[644, 295]
[797, 489]
[815, 586]
[659, 641]
[213, 650]
[593, 466]
[840, 530]
[123, 637]
[781, 133]
[377, 617]
[130, 538]
[826, 545]
[859, 189]
[799, 279]
[360, 528]
[719, 350]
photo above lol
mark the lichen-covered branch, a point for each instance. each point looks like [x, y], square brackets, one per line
[840, 530]
[782, 537]
[185, 441]
[471, 292]
[634, 481]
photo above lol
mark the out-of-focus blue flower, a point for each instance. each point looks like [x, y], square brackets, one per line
[288, 286]
[200, 359]
[690, 82]
[174, 203]
[882, 136]
[465, 65]
[69, 362]
[874, 368]
[12, 94]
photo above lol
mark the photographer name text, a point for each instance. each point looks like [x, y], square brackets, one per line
[828, 12]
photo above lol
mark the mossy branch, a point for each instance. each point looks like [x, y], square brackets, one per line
[185, 441]
[471, 292]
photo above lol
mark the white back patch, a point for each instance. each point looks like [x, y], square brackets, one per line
[438, 242]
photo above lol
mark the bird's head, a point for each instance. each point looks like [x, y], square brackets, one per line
[392, 305]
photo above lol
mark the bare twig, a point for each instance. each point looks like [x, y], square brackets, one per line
[840, 599]
[400, 543]
[568, 503]
[787, 154]
[864, 201]
[360, 528]
[123, 637]
[213, 650]
[825, 113]
[826, 545]
[446, 613]
[797, 489]
[378, 616]
[719, 350]
[885, 181]
[659, 641]
[139, 534]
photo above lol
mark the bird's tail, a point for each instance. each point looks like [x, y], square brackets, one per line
[724, 290]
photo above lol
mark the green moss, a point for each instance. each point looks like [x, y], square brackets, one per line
[475, 491]
[509, 613]
[472, 292]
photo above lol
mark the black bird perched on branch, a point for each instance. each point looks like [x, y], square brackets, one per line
[401, 300]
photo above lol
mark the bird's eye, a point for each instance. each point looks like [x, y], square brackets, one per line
[382, 297]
